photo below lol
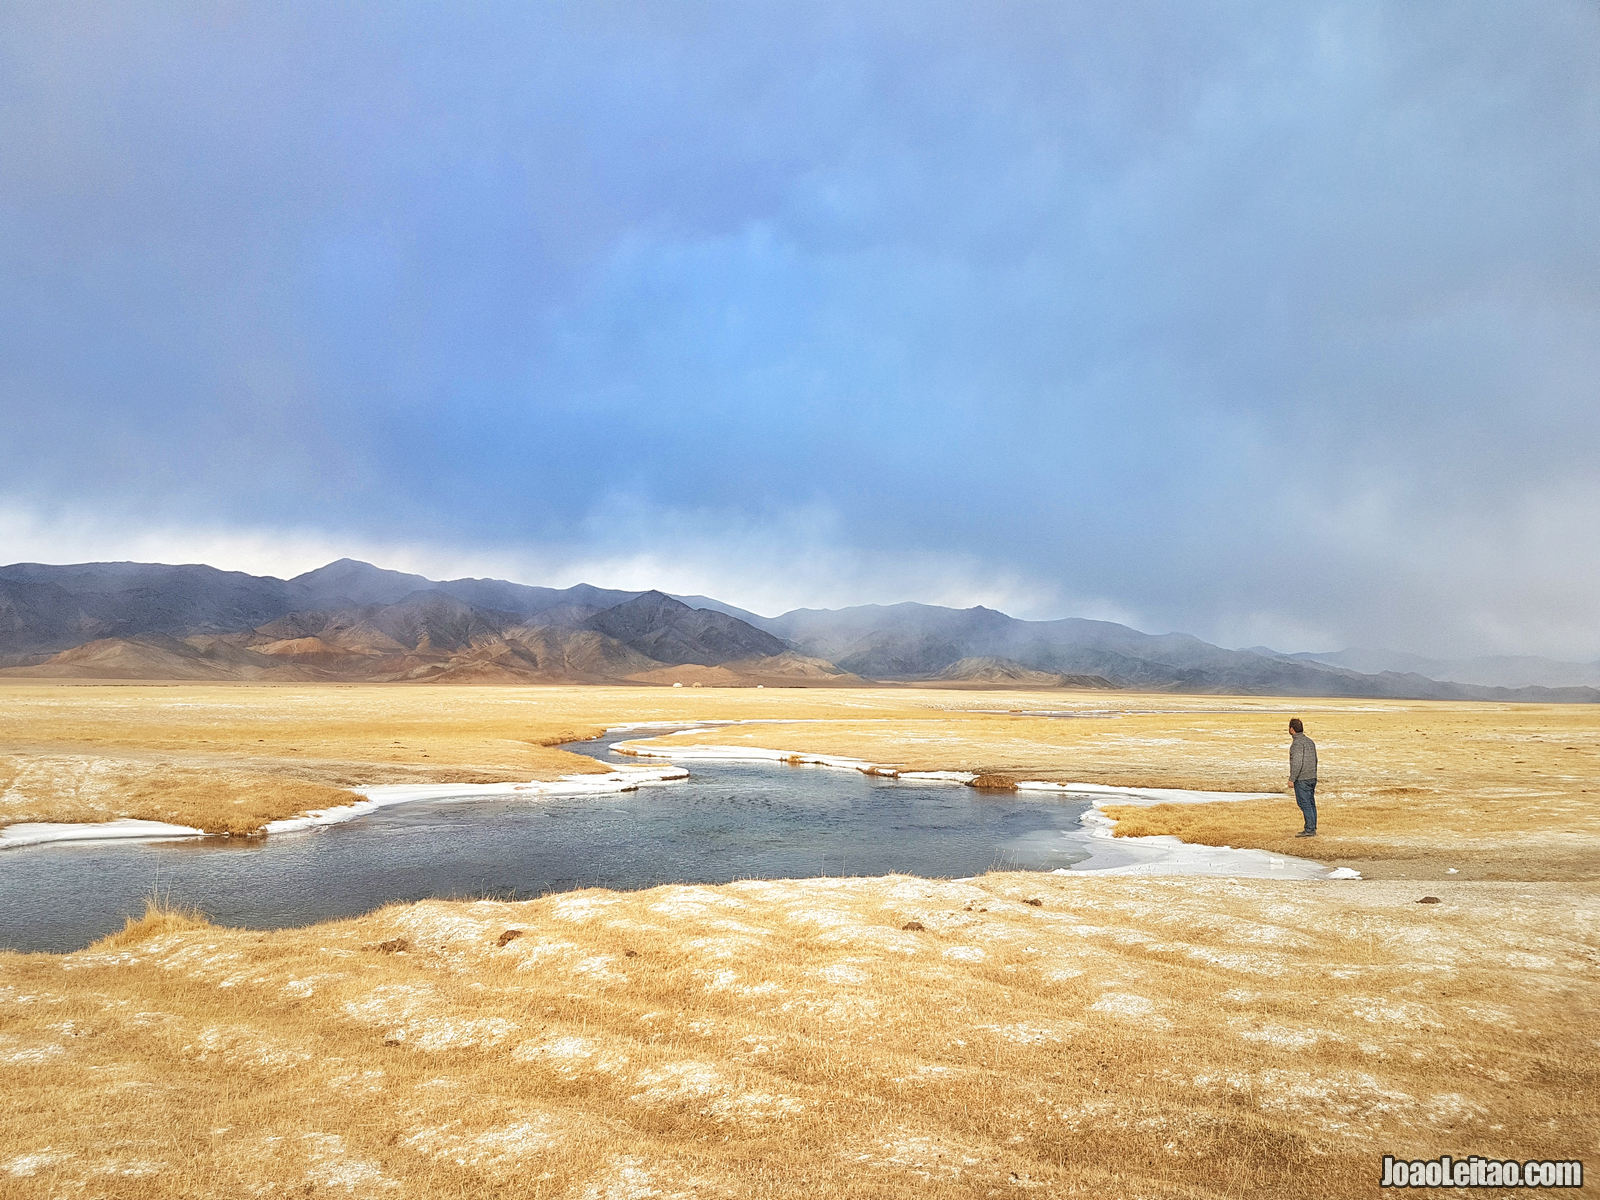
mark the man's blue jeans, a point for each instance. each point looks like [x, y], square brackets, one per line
[1305, 795]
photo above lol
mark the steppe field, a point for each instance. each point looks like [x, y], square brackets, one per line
[1015, 1034]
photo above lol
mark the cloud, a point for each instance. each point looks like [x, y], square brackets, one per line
[766, 567]
[1231, 321]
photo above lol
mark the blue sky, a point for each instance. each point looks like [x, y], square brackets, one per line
[1271, 323]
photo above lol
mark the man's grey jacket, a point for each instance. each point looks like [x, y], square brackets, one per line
[1302, 758]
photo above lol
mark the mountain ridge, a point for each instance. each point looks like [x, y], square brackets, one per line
[352, 620]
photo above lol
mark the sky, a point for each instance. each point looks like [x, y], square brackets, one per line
[1272, 323]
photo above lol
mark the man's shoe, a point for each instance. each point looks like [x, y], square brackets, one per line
[1307, 833]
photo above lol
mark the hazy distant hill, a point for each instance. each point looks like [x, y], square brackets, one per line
[1503, 670]
[1003, 671]
[921, 641]
[351, 620]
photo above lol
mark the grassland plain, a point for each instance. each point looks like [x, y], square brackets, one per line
[1408, 790]
[1014, 1034]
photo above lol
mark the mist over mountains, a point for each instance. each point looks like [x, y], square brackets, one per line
[353, 621]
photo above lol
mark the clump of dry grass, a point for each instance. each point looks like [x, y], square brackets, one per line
[886, 1037]
[160, 917]
[994, 782]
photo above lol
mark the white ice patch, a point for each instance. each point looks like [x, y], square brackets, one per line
[598, 968]
[1282, 1036]
[581, 907]
[242, 1046]
[446, 1033]
[622, 779]
[748, 754]
[1165, 855]
[34, 833]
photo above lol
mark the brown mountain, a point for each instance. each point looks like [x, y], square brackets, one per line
[353, 621]
[155, 656]
[432, 636]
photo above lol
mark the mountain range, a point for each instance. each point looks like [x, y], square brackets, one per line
[353, 621]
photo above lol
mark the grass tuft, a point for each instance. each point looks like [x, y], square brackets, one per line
[995, 783]
[160, 916]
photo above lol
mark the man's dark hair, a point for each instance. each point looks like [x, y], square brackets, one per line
[1296, 725]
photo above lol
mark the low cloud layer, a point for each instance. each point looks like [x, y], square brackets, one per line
[1274, 326]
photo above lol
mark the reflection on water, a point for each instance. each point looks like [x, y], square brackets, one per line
[727, 821]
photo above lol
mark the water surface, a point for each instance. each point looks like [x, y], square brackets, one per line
[726, 821]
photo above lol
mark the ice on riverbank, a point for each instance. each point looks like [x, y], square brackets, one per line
[622, 779]
[34, 833]
[792, 757]
[1166, 855]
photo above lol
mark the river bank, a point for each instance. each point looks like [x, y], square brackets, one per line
[1410, 790]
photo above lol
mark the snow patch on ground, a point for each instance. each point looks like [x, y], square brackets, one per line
[1129, 1006]
[507, 1144]
[25, 1165]
[1023, 1034]
[926, 1157]
[332, 1166]
[964, 953]
[16, 1053]
[244, 1046]
[625, 1179]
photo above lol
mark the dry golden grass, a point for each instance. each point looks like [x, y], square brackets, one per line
[876, 1038]
[160, 916]
[220, 798]
[229, 758]
[1407, 790]
[1124, 1037]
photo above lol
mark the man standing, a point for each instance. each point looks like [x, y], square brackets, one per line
[1303, 775]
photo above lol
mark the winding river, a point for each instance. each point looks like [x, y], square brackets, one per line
[728, 820]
